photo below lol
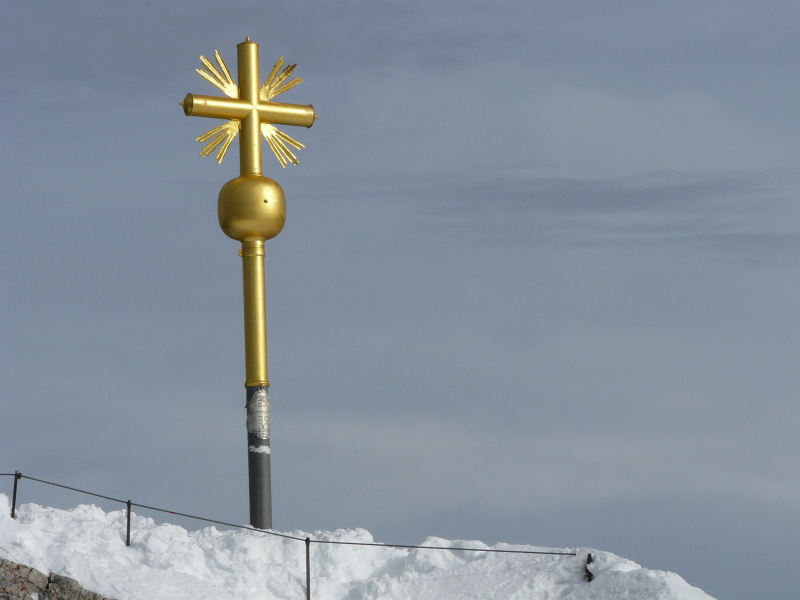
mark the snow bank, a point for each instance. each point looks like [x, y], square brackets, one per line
[168, 562]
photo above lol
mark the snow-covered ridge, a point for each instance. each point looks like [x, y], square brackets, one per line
[166, 561]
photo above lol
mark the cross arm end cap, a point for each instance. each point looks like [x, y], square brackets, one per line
[187, 103]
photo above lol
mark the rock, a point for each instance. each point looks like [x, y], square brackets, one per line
[20, 582]
[38, 578]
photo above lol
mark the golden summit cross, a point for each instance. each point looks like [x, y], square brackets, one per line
[251, 208]
[249, 108]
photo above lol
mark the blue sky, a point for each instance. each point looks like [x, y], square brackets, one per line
[538, 281]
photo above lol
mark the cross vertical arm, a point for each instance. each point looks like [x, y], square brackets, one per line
[249, 84]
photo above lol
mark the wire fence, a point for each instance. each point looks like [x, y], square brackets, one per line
[307, 540]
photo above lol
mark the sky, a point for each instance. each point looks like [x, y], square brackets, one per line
[538, 281]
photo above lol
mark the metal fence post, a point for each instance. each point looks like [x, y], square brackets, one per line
[17, 477]
[308, 568]
[128, 537]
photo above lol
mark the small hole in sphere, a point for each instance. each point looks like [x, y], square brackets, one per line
[266, 201]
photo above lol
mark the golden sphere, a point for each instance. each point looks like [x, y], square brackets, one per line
[251, 206]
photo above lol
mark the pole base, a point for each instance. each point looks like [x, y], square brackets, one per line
[258, 454]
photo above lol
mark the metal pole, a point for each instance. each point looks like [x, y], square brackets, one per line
[255, 302]
[128, 536]
[308, 568]
[257, 383]
[17, 477]
[587, 573]
[258, 454]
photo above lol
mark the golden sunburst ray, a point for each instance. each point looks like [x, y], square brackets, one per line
[277, 141]
[219, 136]
[222, 80]
[272, 86]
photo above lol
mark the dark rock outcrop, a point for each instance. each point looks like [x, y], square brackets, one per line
[19, 582]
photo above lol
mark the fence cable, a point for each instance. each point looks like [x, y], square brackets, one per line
[285, 535]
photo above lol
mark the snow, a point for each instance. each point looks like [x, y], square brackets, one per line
[169, 562]
[259, 449]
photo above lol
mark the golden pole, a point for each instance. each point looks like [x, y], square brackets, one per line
[252, 209]
[255, 313]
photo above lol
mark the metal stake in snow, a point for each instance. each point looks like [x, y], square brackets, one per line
[308, 568]
[252, 209]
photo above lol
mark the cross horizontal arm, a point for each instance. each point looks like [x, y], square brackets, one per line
[279, 113]
[215, 107]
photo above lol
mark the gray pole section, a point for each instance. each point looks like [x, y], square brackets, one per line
[258, 454]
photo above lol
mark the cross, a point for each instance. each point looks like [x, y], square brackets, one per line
[249, 108]
[252, 209]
